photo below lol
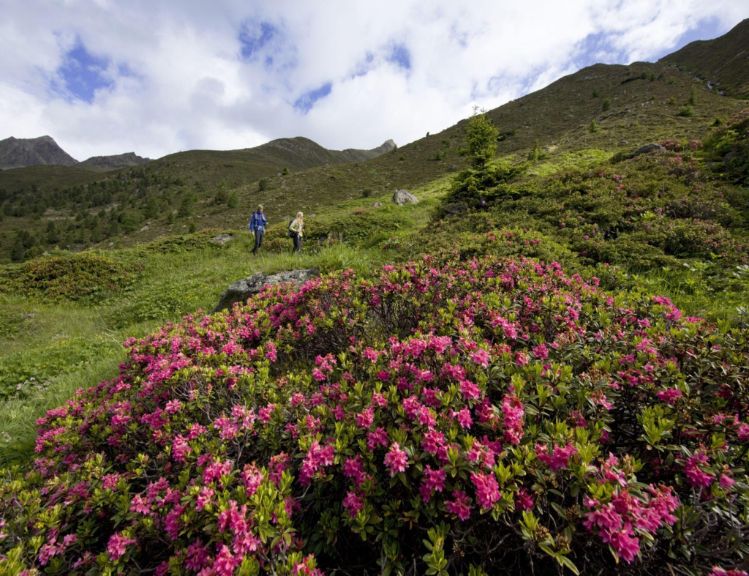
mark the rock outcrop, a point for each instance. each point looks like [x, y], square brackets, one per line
[401, 197]
[20, 152]
[242, 289]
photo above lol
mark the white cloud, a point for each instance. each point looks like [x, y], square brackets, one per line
[180, 81]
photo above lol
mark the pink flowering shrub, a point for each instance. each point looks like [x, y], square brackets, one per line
[503, 412]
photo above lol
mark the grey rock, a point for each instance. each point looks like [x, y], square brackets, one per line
[651, 148]
[222, 239]
[242, 289]
[20, 152]
[401, 197]
[377, 205]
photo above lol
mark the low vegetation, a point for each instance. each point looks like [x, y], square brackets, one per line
[451, 418]
[482, 382]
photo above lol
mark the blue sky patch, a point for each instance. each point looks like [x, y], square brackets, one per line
[704, 30]
[400, 55]
[82, 73]
[598, 49]
[307, 100]
[254, 36]
[364, 66]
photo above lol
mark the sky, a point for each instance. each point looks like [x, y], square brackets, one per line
[160, 76]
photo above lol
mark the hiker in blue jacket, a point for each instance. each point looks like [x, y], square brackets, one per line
[257, 225]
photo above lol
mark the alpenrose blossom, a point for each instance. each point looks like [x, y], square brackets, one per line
[396, 459]
[118, 544]
[471, 395]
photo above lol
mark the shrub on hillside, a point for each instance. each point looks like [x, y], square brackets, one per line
[729, 147]
[82, 276]
[466, 418]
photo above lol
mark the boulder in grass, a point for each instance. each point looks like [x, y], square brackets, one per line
[242, 289]
[401, 197]
[222, 239]
[651, 148]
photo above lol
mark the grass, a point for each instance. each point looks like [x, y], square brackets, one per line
[184, 191]
[52, 346]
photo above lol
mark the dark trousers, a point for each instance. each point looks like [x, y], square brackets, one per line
[297, 242]
[259, 233]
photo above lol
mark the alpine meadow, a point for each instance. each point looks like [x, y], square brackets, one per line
[538, 363]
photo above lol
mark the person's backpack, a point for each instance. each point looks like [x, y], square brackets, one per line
[290, 231]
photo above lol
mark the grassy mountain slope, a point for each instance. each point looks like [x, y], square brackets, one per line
[578, 363]
[114, 162]
[606, 107]
[724, 61]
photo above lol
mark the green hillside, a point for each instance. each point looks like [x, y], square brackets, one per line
[604, 106]
[722, 62]
[540, 367]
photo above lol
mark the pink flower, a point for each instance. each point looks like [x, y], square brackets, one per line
[266, 413]
[318, 457]
[353, 503]
[173, 406]
[726, 482]
[513, 411]
[524, 500]
[487, 489]
[460, 505]
[541, 351]
[118, 544]
[205, 497]
[278, 463]
[216, 471]
[365, 418]
[469, 390]
[377, 438]
[696, 476]
[196, 557]
[139, 505]
[432, 481]
[481, 357]
[396, 459]
[371, 354]
[109, 481]
[379, 400]
[559, 457]
[742, 433]
[463, 418]
[271, 352]
[47, 552]
[227, 428]
[251, 478]
[669, 395]
[226, 562]
[718, 571]
[625, 543]
[353, 469]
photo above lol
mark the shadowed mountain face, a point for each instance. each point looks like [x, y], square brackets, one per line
[19, 152]
[723, 62]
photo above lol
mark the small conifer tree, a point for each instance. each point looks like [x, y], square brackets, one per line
[481, 140]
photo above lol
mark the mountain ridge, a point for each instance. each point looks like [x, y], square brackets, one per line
[604, 109]
[43, 150]
[722, 61]
[114, 161]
